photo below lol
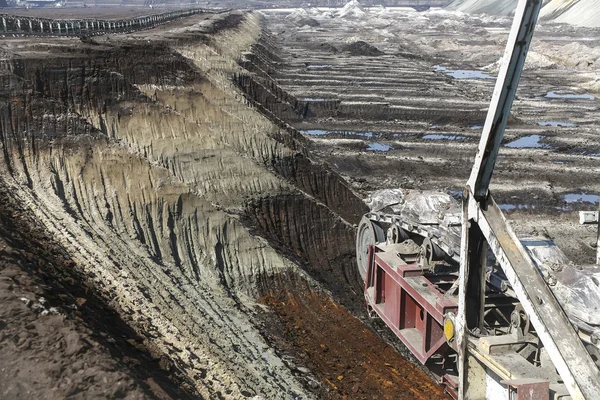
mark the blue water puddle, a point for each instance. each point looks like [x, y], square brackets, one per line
[528, 142]
[319, 66]
[582, 198]
[556, 124]
[510, 207]
[457, 194]
[476, 127]
[562, 162]
[463, 73]
[569, 198]
[443, 137]
[312, 99]
[315, 132]
[378, 147]
[320, 132]
[554, 95]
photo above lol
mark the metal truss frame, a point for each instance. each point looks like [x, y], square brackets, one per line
[484, 224]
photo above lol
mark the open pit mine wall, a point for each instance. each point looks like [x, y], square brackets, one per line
[178, 201]
[259, 83]
[18, 25]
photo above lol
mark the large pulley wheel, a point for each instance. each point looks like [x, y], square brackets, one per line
[369, 233]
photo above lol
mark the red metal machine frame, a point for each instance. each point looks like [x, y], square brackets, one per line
[410, 303]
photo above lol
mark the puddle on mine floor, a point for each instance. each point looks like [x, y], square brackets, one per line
[570, 198]
[318, 66]
[313, 99]
[443, 137]
[320, 132]
[556, 124]
[510, 207]
[463, 73]
[378, 147]
[556, 95]
[582, 198]
[528, 142]
[520, 206]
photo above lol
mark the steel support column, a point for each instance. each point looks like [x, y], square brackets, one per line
[504, 92]
[475, 276]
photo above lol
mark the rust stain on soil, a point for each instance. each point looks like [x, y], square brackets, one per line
[350, 360]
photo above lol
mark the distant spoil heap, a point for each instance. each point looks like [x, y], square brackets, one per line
[501, 7]
[575, 12]
[584, 13]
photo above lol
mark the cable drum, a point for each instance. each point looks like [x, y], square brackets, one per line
[369, 233]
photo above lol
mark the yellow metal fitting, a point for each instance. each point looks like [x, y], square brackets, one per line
[449, 329]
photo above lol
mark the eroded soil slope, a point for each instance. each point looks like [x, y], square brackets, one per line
[57, 340]
[174, 203]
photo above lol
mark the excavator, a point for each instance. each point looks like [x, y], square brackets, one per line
[492, 315]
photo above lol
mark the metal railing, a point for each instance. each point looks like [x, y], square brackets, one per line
[19, 25]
